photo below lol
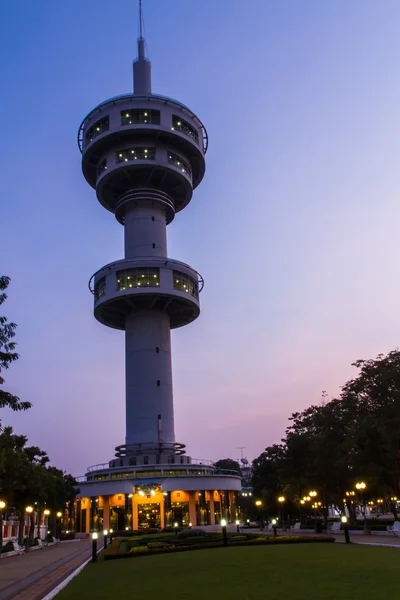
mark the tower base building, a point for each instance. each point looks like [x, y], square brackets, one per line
[144, 154]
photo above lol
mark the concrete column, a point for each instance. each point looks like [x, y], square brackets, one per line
[212, 513]
[192, 508]
[148, 377]
[106, 512]
[88, 510]
[135, 520]
[145, 230]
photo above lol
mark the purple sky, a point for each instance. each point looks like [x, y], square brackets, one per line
[295, 227]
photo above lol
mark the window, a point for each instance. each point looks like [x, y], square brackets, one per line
[120, 475]
[138, 116]
[100, 288]
[185, 283]
[99, 127]
[101, 167]
[158, 383]
[135, 278]
[179, 124]
[147, 473]
[177, 161]
[145, 460]
[132, 460]
[136, 154]
[174, 472]
[157, 349]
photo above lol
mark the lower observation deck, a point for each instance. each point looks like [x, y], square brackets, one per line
[146, 283]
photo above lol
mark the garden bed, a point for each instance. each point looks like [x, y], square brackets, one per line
[167, 544]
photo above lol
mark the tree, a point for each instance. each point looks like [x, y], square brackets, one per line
[228, 464]
[7, 353]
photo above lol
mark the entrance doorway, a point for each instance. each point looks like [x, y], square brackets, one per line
[149, 516]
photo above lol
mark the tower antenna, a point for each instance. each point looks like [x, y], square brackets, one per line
[140, 20]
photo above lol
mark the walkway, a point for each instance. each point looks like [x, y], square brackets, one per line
[35, 574]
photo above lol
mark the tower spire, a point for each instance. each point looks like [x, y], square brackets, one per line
[142, 65]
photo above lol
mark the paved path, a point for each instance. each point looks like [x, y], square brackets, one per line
[35, 574]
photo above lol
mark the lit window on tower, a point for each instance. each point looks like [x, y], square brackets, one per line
[138, 116]
[138, 278]
[185, 283]
[179, 124]
[129, 154]
[177, 161]
[100, 288]
[101, 167]
[99, 127]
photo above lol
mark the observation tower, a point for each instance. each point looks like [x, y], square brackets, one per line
[144, 154]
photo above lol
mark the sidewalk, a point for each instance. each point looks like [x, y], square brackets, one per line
[35, 574]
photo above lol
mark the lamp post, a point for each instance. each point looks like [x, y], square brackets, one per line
[313, 494]
[105, 533]
[94, 546]
[2, 507]
[361, 486]
[346, 529]
[224, 534]
[281, 500]
[237, 525]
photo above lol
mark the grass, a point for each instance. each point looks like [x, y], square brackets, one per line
[299, 572]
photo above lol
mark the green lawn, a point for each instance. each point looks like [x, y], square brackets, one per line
[298, 572]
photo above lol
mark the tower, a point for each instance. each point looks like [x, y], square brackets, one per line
[144, 154]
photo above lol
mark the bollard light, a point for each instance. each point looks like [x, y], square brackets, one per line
[59, 514]
[274, 526]
[94, 546]
[237, 525]
[105, 533]
[29, 510]
[346, 529]
[224, 534]
[190, 524]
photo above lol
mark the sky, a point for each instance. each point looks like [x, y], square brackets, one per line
[295, 227]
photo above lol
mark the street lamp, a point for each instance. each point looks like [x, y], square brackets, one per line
[314, 494]
[2, 507]
[59, 514]
[46, 512]
[282, 500]
[29, 510]
[224, 534]
[361, 486]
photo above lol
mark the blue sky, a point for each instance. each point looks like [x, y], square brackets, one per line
[294, 228]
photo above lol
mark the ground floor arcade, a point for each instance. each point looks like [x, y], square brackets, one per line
[149, 506]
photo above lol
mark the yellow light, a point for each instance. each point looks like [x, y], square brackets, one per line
[59, 514]
[97, 128]
[126, 160]
[258, 502]
[301, 501]
[178, 163]
[312, 494]
[29, 509]
[46, 512]
[361, 485]
[145, 150]
[223, 522]
[132, 152]
[179, 122]
[172, 128]
[111, 530]
[94, 536]
[145, 114]
[105, 532]
[127, 115]
[190, 524]
[175, 524]
[273, 521]
[281, 499]
[343, 519]
[237, 522]
[120, 155]
[2, 504]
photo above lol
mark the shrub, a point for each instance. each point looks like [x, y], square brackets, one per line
[190, 533]
[139, 549]
[152, 545]
[239, 538]
[7, 547]
[67, 536]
